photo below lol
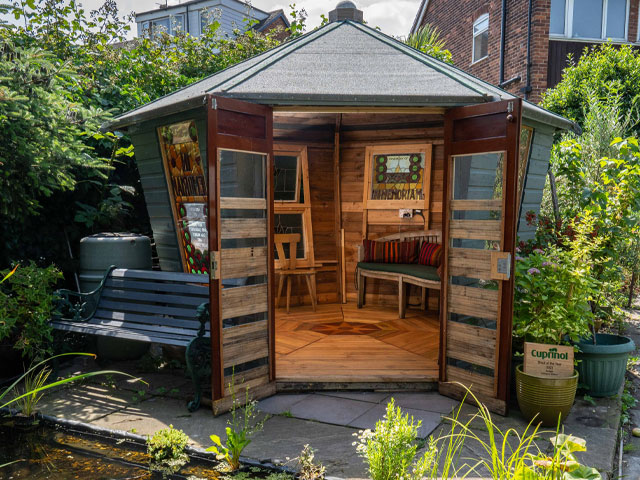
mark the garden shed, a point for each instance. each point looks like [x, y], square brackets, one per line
[338, 137]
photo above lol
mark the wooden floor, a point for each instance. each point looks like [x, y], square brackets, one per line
[341, 343]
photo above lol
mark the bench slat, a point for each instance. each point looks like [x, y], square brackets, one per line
[156, 320]
[187, 313]
[123, 324]
[177, 277]
[187, 289]
[120, 333]
[144, 297]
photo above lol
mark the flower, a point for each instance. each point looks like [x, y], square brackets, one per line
[519, 258]
[546, 264]
[533, 271]
[538, 250]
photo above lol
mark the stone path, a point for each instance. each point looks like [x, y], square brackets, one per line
[631, 449]
[327, 421]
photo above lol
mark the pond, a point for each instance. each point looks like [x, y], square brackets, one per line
[55, 453]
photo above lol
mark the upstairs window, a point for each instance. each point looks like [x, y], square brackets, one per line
[589, 19]
[481, 38]
[171, 25]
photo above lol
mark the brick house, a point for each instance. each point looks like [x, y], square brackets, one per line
[493, 39]
[194, 15]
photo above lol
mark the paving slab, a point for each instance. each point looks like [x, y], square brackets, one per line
[84, 403]
[371, 397]
[281, 403]
[337, 411]
[430, 420]
[428, 401]
[284, 437]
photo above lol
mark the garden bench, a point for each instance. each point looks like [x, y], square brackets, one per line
[148, 306]
[403, 274]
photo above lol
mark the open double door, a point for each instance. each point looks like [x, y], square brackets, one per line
[480, 210]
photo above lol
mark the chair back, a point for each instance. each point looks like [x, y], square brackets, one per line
[287, 262]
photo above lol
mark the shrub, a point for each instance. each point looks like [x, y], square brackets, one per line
[166, 448]
[26, 307]
[390, 449]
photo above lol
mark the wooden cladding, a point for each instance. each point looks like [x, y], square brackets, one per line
[469, 262]
[244, 262]
[476, 128]
[236, 203]
[240, 301]
[475, 345]
[479, 384]
[476, 302]
[476, 229]
[476, 205]
[243, 228]
[245, 343]
[241, 124]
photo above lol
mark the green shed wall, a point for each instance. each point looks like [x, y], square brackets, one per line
[536, 176]
[154, 184]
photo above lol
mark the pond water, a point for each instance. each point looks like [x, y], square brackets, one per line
[54, 453]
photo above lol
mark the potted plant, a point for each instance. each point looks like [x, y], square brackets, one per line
[553, 290]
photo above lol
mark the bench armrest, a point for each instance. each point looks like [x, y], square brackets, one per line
[75, 306]
[360, 253]
[202, 314]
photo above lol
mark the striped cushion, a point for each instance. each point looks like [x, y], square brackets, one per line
[430, 254]
[390, 252]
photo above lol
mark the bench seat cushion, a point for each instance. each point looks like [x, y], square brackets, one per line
[415, 270]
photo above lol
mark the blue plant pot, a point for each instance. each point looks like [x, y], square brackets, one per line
[602, 366]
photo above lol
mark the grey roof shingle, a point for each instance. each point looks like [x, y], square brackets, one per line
[341, 64]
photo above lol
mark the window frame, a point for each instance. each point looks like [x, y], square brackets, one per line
[568, 24]
[482, 18]
[296, 207]
[151, 24]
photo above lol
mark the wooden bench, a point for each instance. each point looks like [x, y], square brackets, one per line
[404, 274]
[148, 306]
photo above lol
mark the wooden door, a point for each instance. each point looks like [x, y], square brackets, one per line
[240, 173]
[481, 148]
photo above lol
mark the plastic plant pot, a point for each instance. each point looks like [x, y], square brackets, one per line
[602, 366]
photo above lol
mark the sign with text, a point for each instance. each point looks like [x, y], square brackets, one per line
[555, 361]
[187, 185]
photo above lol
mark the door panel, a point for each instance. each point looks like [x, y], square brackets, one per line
[481, 147]
[240, 134]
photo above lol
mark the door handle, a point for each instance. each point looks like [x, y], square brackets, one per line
[214, 269]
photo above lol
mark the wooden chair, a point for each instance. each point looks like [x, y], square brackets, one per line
[288, 268]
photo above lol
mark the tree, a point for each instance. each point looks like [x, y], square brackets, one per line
[602, 71]
[427, 40]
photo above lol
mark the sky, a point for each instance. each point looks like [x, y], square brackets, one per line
[394, 17]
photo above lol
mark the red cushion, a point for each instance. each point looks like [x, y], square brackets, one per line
[430, 254]
[390, 252]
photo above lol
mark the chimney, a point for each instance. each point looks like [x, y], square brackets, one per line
[346, 11]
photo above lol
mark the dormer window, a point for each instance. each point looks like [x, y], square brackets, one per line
[481, 38]
[589, 19]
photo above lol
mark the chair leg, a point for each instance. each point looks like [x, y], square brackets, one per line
[312, 294]
[280, 285]
[402, 298]
[361, 289]
[423, 300]
[288, 291]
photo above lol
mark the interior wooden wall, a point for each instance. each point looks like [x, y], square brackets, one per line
[356, 132]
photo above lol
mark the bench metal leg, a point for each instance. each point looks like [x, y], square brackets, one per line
[361, 289]
[198, 357]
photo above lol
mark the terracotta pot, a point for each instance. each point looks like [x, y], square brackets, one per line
[544, 398]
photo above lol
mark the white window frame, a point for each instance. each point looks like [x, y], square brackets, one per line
[171, 22]
[568, 24]
[482, 18]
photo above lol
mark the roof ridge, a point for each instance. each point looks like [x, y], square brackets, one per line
[309, 37]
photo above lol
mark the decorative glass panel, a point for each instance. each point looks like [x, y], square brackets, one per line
[557, 17]
[616, 18]
[398, 177]
[287, 179]
[587, 19]
[526, 135]
[188, 191]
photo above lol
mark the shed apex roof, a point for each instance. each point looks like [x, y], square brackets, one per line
[341, 64]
